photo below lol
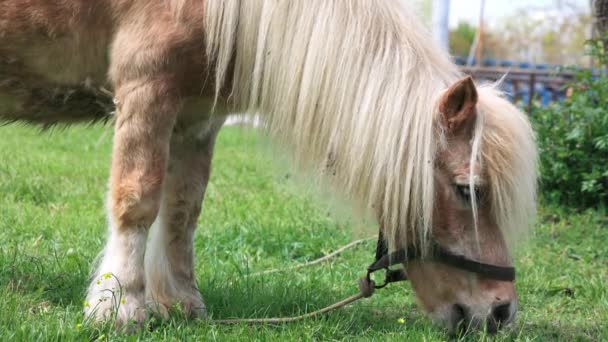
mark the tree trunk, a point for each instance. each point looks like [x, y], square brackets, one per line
[600, 13]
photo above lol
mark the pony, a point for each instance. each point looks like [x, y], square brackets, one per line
[355, 89]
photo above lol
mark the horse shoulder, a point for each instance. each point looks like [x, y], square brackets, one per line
[153, 42]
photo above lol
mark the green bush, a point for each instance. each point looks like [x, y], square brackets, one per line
[573, 141]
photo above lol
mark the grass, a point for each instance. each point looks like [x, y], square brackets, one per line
[52, 226]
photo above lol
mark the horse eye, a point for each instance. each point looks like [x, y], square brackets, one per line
[464, 191]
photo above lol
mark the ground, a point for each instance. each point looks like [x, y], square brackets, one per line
[255, 217]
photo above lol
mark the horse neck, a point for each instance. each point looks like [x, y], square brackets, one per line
[351, 89]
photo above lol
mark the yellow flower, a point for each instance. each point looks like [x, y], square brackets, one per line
[107, 275]
[401, 320]
[86, 304]
[123, 301]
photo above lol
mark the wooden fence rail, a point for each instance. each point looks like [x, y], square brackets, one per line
[523, 85]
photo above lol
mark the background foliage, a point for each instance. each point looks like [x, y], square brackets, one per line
[573, 140]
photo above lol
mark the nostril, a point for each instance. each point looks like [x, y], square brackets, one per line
[460, 319]
[501, 313]
[459, 313]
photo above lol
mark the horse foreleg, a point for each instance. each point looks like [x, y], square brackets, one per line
[146, 111]
[170, 278]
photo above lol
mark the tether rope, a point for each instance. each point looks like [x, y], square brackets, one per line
[313, 262]
[366, 290]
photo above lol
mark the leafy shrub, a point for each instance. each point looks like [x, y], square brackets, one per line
[573, 141]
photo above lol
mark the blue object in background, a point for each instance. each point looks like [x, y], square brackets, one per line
[506, 64]
[460, 60]
[546, 97]
[489, 62]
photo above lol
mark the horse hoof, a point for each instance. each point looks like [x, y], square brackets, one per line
[157, 310]
[105, 303]
[195, 310]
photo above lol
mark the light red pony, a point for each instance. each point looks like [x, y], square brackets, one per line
[356, 89]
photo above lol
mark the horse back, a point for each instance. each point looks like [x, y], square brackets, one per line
[61, 60]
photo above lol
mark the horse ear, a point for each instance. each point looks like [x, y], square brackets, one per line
[457, 105]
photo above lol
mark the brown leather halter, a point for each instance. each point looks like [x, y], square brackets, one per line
[437, 254]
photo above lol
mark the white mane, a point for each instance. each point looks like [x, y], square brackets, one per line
[351, 86]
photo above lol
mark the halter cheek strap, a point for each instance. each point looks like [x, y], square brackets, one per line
[495, 272]
[437, 254]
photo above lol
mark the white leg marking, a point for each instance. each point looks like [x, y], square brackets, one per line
[170, 279]
[117, 288]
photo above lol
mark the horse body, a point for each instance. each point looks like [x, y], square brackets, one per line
[353, 87]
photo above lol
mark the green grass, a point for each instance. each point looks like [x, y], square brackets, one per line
[52, 225]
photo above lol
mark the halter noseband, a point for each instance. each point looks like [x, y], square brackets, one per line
[437, 254]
